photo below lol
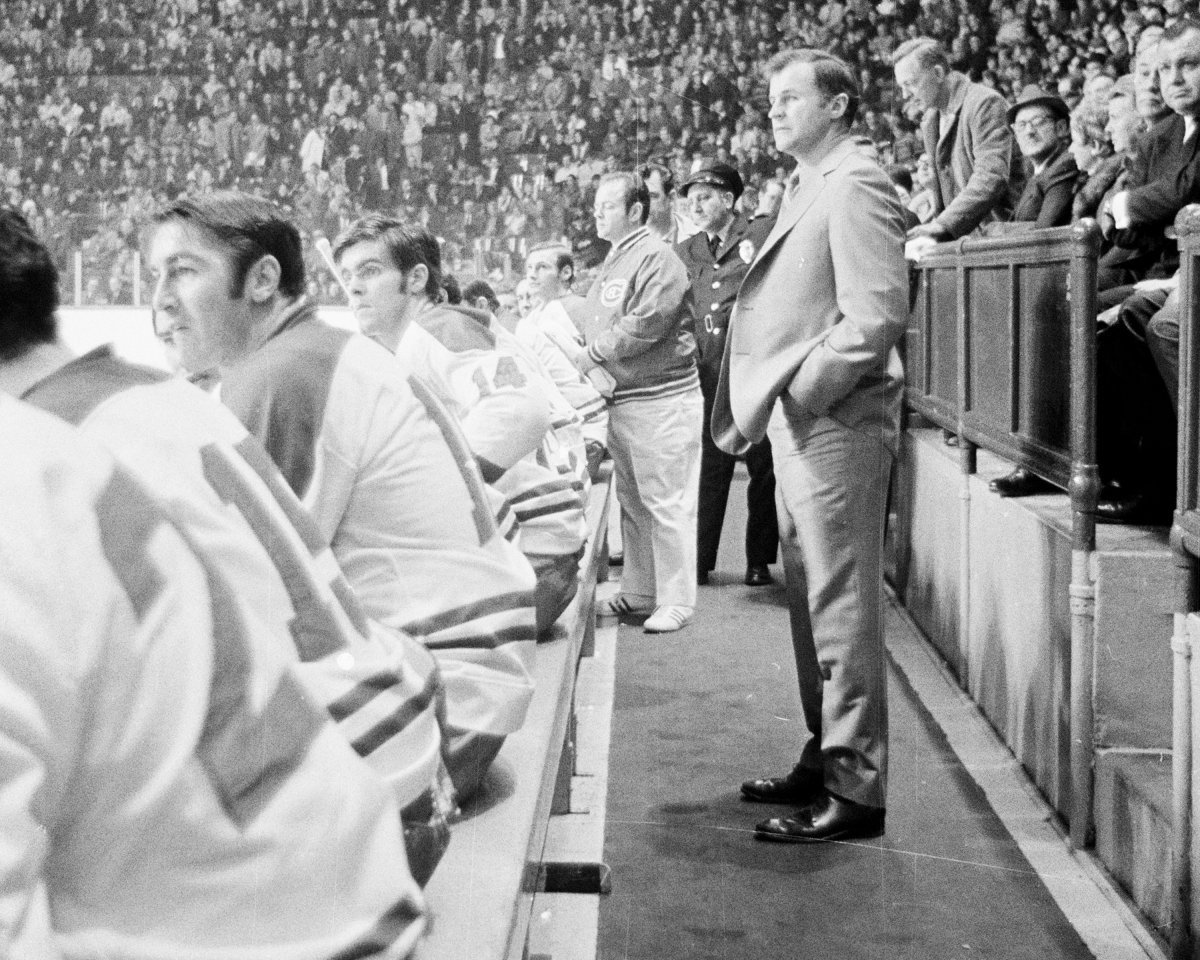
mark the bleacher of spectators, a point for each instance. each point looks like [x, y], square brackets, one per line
[486, 121]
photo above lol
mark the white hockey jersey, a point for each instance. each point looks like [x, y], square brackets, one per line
[130, 689]
[550, 334]
[564, 449]
[219, 486]
[505, 413]
[389, 480]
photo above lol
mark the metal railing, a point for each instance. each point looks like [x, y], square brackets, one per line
[1001, 350]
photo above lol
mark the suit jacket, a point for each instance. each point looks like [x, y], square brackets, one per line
[1047, 197]
[972, 162]
[715, 282]
[821, 308]
[1165, 177]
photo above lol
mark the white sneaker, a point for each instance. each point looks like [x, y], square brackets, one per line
[668, 619]
[620, 606]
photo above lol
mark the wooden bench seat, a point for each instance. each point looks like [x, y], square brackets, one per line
[481, 895]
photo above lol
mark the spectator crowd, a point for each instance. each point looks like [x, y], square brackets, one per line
[216, 141]
[487, 122]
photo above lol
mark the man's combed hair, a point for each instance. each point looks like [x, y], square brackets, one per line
[929, 53]
[407, 245]
[831, 75]
[28, 287]
[634, 187]
[481, 288]
[251, 228]
[664, 173]
[563, 258]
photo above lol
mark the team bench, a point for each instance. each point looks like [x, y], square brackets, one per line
[481, 895]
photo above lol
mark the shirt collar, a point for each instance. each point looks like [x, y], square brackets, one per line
[630, 239]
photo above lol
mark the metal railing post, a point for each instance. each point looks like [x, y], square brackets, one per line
[1185, 671]
[1084, 490]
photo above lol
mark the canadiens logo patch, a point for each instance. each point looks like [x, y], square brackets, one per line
[613, 292]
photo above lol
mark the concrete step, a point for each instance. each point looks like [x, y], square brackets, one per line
[1133, 827]
[987, 579]
[1013, 652]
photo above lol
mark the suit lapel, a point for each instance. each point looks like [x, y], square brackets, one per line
[791, 213]
[808, 192]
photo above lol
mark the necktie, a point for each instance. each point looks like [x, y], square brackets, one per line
[793, 185]
[714, 244]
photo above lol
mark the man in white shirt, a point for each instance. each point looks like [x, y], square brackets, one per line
[392, 274]
[372, 455]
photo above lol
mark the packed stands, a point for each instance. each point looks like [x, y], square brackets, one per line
[490, 130]
[488, 123]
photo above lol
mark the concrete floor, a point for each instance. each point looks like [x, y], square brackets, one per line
[972, 864]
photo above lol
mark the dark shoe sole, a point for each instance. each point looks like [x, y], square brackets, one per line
[864, 832]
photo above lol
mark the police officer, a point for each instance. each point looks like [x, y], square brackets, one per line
[717, 258]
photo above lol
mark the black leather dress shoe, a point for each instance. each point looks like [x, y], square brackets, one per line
[794, 789]
[950, 438]
[1134, 509]
[829, 817]
[758, 575]
[1020, 483]
[701, 577]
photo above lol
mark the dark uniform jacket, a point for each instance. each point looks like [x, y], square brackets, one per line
[715, 285]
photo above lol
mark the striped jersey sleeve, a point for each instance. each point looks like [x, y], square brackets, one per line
[218, 483]
[404, 508]
[125, 704]
[469, 373]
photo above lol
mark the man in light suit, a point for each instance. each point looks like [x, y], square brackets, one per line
[817, 320]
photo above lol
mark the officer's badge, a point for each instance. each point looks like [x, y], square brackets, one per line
[747, 250]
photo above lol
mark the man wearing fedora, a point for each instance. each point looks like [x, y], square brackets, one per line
[1041, 123]
[717, 258]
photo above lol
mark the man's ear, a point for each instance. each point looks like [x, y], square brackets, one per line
[416, 279]
[940, 71]
[262, 280]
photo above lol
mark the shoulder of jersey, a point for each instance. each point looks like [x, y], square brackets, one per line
[43, 443]
[458, 329]
[73, 391]
[300, 344]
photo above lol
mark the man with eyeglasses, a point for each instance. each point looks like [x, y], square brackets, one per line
[1041, 122]
[637, 321]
